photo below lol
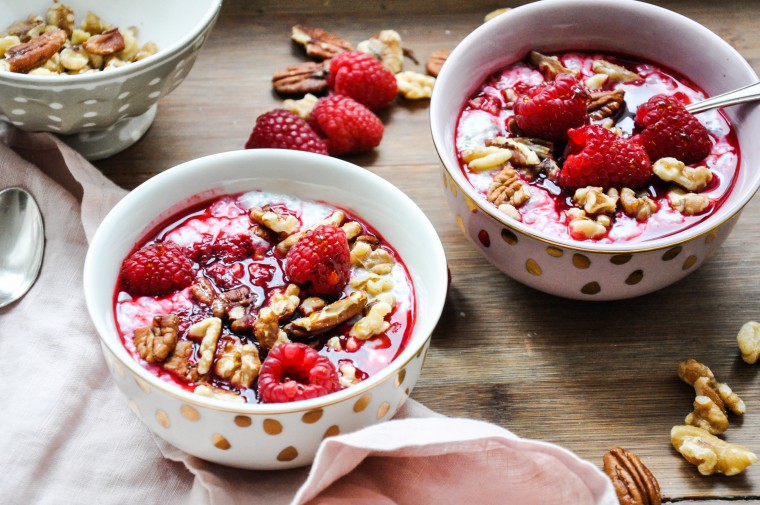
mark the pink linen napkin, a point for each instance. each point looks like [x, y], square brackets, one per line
[68, 436]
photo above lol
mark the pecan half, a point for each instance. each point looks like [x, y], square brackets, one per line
[329, 317]
[106, 43]
[306, 77]
[606, 103]
[22, 28]
[633, 482]
[436, 60]
[319, 44]
[30, 55]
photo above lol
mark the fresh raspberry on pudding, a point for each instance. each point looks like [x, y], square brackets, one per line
[548, 110]
[362, 77]
[293, 371]
[669, 130]
[282, 129]
[348, 126]
[595, 156]
[157, 268]
[321, 258]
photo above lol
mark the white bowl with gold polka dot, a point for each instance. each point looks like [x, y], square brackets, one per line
[588, 270]
[265, 436]
[102, 113]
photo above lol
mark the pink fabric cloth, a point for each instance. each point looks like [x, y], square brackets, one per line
[68, 436]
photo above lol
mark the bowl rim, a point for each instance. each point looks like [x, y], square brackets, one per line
[435, 255]
[702, 228]
[164, 54]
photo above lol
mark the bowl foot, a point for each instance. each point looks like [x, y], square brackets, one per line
[99, 144]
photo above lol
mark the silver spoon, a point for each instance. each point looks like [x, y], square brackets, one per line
[22, 241]
[741, 95]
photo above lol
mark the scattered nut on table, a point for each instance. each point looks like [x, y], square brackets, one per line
[634, 483]
[709, 453]
[749, 341]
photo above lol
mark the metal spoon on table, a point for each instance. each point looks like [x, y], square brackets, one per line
[22, 241]
[746, 94]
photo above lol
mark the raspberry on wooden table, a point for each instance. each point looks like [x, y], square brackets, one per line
[548, 110]
[282, 129]
[293, 371]
[156, 269]
[362, 77]
[320, 257]
[348, 126]
[669, 130]
[598, 157]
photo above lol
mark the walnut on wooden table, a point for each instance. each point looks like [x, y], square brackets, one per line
[748, 339]
[709, 453]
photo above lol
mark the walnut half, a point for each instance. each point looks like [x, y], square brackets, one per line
[709, 453]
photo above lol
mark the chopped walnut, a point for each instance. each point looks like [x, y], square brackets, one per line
[6, 42]
[378, 261]
[93, 24]
[302, 107]
[494, 13]
[749, 341]
[147, 49]
[596, 81]
[61, 16]
[606, 104]
[301, 78]
[373, 323]
[267, 328]
[335, 219]
[637, 206]
[209, 330]
[224, 303]
[286, 224]
[691, 178]
[594, 201]
[155, 342]
[285, 303]
[615, 73]
[352, 230]
[319, 44]
[238, 363]
[333, 343]
[549, 66]
[510, 211]
[74, 58]
[311, 304]
[708, 416]
[688, 204]
[329, 317]
[386, 47]
[218, 394]
[26, 29]
[583, 227]
[372, 283]
[481, 159]
[203, 291]
[179, 363]
[701, 377]
[414, 85]
[709, 453]
[525, 151]
[348, 375]
[506, 187]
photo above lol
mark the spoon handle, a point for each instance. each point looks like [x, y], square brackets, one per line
[741, 95]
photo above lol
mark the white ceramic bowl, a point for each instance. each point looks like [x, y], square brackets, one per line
[265, 436]
[586, 270]
[103, 113]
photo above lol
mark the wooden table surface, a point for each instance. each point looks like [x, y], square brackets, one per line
[586, 375]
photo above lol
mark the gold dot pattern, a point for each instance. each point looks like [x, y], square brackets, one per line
[711, 236]
[312, 416]
[287, 454]
[453, 187]
[243, 421]
[384, 408]
[362, 403]
[532, 267]
[554, 252]
[460, 222]
[135, 408]
[470, 204]
[220, 442]
[635, 277]
[189, 413]
[400, 377]
[580, 261]
[142, 385]
[671, 253]
[272, 427]
[445, 180]
[403, 399]
[591, 288]
[621, 259]
[508, 236]
[689, 262]
[331, 431]
[162, 418]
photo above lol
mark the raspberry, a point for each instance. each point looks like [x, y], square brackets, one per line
[226, 248]
[281, 129]
[348, 126]
[548, 110]
[294, 371]
[321, 257]
[598, 157]
[363, 78]
[156, 269]
[669, 130]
